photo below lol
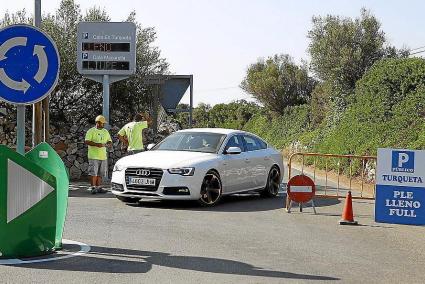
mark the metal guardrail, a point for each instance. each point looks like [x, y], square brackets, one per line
[326, 190]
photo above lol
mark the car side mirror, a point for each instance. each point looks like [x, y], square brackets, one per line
[233, 150]
[150, 146]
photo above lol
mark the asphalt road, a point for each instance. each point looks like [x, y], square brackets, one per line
[245, 239]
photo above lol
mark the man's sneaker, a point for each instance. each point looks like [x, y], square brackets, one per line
[101, 190]
[92, 189]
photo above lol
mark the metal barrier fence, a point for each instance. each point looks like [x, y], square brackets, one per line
[332, 189]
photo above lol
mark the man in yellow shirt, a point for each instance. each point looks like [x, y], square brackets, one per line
[131, 134]
[97, 139]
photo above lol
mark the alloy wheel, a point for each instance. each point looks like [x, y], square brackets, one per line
[273, 182]
[211, 189]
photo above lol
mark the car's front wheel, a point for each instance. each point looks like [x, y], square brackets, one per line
[128, 199]
[273, 183]
[211, 189]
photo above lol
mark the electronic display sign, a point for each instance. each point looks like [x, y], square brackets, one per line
[105, 48]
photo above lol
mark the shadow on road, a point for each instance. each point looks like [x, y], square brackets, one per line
[117, 260]
[80, 190]
[249, 202]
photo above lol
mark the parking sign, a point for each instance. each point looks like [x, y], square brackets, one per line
[400, 187]
[403, 161]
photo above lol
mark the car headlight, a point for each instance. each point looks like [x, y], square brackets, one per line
[182, 171]
[118, 168]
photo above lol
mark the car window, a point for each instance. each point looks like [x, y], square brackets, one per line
[251, 143]
[235, 141]
[263, 145]
[192, 141]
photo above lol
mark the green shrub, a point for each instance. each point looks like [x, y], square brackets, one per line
[282, 130]
[388, 111]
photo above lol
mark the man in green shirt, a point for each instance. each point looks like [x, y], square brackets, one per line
[131, 135]
[97, 139]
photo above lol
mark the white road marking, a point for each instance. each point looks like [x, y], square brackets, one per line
[84, 248]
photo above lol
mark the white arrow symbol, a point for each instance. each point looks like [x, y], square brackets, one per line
[24, 190]
[12, 84]
[42, 63]
[8, 44]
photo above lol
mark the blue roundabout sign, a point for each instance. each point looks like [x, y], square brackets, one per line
[29, 64]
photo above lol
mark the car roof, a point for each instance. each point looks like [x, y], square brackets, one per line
[213, 130]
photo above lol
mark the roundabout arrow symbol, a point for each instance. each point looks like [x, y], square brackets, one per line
[12, 84]
[6, 80]
[42, 63]
[10, 43]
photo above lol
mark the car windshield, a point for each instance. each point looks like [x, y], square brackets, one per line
[192, 141]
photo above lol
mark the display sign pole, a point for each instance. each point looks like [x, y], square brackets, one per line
[106, 99]
[191, 102]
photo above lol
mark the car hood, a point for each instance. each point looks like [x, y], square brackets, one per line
[165, 159]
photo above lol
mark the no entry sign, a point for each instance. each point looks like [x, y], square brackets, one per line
[301, 188]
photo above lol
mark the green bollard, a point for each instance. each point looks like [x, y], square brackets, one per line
[47, 158]
[33, 201]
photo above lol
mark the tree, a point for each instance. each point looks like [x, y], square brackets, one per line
[319, 104]
[278, 83]
[182, 117]
[342, 49]
[201, 116]
[232, 115]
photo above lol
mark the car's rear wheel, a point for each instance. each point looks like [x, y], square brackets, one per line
[273, 183]
[128, 199]
[211, 189]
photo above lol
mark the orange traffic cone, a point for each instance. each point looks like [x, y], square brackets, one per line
[347, 213]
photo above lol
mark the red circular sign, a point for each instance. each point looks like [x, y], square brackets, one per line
[301, 188]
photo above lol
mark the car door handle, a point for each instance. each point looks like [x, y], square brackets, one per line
[266, 158]
[247, 160]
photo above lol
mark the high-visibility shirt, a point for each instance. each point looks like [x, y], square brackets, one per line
[97, 136]
[133, 132]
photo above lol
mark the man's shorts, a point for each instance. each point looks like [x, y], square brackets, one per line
[98, 168]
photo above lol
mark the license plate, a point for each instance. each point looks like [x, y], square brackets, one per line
[142, 181]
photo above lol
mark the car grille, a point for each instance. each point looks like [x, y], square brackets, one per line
[136, 172]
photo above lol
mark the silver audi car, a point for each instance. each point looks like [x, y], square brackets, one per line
[200, 164]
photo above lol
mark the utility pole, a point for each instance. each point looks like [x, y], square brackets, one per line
[37, 119]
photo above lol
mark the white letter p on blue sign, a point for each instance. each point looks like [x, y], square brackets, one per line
[402, 158]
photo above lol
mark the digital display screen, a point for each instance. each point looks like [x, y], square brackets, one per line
[106, 47]
[106, 65]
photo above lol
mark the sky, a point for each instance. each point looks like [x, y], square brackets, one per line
[217, 40]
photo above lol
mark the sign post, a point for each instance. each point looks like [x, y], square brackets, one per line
[29, 70]
[106, 53]
[20, 125]
[400, 187]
